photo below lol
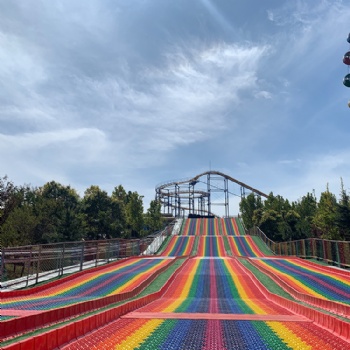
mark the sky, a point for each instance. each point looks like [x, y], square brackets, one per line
[141, 92]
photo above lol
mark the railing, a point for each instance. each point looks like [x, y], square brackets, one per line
[255, 231]
[28, 265]
[332, 252]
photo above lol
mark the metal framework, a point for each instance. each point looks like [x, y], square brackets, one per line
[194, 196]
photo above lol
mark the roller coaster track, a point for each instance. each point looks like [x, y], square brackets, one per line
[196, 193]
[174, 194]
[194, 179]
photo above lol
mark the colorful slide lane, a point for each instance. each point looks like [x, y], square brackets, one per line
[113, 279]
[309, 279]
[213, 226]
[244, 246]
[333, 271]
[191, 227]
[211, 246]
[232, 227]
[240, 227]
[175, 334]
[210, 227]
[215, 286]
[179, 246]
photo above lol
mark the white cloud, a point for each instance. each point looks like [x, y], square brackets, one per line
[98, 91]
[295, 178]
[290, 161]
[263, 94]
[38, 140]
[183, 102]
[20, 62]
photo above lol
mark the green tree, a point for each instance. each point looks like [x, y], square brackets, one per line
[276, 217]
[269, 223]
[57, 208]
[306, 208]
[287, 226]
[274, 221]
[97, 213]
[134, 215]
[326, 215]
[343, 214]
[120, 194]
[17, 219]
[153, 217]
[8, 198]
[277, 203]
[19, 228]
[119, 201]
[247, 208]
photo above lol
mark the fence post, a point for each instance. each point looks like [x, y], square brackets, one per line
[62, 260]
[82, 255]
[108, 250]
[2, 264]
[337, 252]
[97, 253]
[38, 266]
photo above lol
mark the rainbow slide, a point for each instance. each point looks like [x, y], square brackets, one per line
[309, 279]
[244, 246]
[211, 304]
[212, 226]
[232, 227]
[211, 301]
[114, 279]
[191, 227]
[179, 246]
[211, 246]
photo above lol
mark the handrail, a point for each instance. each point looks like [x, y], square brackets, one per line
[28, 265]
[330, 251]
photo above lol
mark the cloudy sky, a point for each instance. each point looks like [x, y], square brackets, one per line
[109, 92]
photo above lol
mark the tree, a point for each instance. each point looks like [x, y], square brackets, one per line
[247, 207]
[119, 201]
[306, 208]
[17, 219]
[19, 228]
[287, 226]
[134, 215]
[277, 203]
[57, 208]
[97, 213]
[326, 215]
[269, 223]
[343, 214]
[8, 198]
[276, 217]
[120, 194]
[153, 217]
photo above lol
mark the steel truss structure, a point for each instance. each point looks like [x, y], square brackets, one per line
[194, 196]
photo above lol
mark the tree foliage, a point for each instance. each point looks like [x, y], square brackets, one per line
[153, 218]
[134, 214]
[326, 215]
[56, 213]
[305, 218]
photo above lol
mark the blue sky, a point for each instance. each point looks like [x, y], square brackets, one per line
[109, 92]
